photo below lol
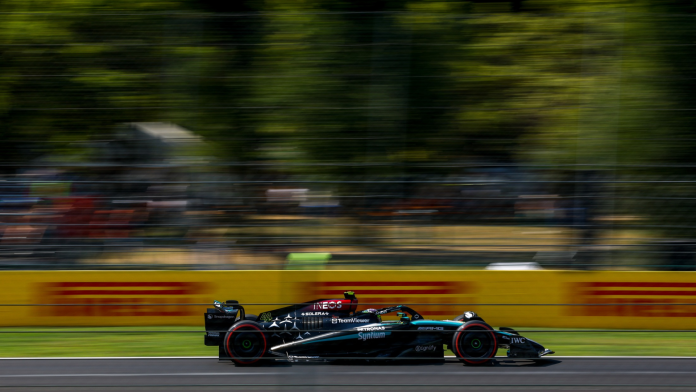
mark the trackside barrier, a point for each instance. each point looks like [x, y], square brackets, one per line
[558, 299]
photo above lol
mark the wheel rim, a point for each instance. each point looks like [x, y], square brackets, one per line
[476, 342]
[246, 344]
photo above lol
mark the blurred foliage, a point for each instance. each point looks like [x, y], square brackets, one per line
[397, 82]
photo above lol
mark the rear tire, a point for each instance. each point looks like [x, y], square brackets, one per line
[245, 343]
[475, 343]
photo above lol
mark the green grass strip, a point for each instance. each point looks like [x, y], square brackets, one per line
[188, 341]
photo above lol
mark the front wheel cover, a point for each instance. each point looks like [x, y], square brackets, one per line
[245, 343]
[475, 343]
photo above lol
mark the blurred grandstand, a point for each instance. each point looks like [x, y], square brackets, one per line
[151, 209]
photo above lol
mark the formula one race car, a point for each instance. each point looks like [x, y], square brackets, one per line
[327, 329]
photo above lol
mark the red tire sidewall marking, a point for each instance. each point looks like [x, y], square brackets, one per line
[495, 344]
[229, 335]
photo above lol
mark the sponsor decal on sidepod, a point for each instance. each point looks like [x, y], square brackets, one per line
[302, 356]
[328, 305]
[371, 335]
[371, 329]
[315, 314]
[348, 321]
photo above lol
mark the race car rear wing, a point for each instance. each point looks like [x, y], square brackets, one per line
[219, 319]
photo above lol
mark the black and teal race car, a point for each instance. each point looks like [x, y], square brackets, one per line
[330, 329]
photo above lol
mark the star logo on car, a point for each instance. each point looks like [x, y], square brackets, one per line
[274, 324]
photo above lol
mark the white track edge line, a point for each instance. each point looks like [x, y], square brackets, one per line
[90, 358]
[256, 374]
[446, 357]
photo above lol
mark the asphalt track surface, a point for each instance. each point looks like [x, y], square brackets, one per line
[208, 374]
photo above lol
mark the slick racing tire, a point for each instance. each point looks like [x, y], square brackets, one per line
[475, 343]
[245, 343]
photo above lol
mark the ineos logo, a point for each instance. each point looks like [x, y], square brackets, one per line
[328, 305]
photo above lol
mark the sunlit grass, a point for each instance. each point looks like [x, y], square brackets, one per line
[104, 342]
[188, 341]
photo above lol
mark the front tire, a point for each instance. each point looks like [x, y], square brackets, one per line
[245, 343]
[475, 343]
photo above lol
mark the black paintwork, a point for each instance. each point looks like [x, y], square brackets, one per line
[332, 328]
